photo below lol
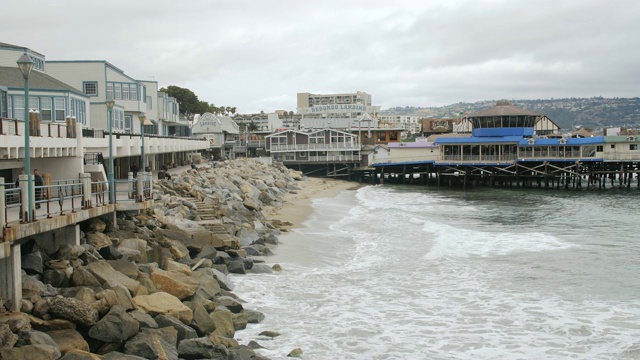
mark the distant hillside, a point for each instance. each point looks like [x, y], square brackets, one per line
[593, 113]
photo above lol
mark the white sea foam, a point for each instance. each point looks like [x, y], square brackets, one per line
[405, 275]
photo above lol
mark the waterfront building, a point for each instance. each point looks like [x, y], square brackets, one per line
[220, 132]
[53, 142]
[344, 105]
[411, 124]
[100, 81]
[325, 146]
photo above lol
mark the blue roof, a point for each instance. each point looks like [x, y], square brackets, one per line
[480, 140]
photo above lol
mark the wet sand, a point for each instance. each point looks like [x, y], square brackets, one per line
[297, 207]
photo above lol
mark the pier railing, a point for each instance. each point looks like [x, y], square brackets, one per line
[318, 159]
[319, 147]
[67, 196]
[477, 158]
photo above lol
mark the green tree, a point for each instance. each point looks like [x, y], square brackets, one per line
[188, 100]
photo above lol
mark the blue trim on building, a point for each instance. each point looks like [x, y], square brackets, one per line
[487, 132]
[478, 140]
[473, 163]
[90, 82]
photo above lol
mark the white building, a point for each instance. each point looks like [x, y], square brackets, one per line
[410, 123]
[335, 105]
[101, 80]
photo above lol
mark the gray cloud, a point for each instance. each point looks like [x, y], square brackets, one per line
[257, 55]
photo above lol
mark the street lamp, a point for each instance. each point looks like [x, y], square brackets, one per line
[26, 64]
[112, 189]
[142, 117]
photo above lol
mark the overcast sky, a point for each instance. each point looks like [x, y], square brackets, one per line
[256, 55]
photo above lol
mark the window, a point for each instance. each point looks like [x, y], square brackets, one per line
[613, 146]
[149, 103]
[125, 91]
[60, 109]
[316, 138]
[38, 64]
[3, 104]
[133, 93]
[18, 107]
[127, 123]
[600, 148]
[109, 90]
[117, 91]
[34, 103]
[90, 88]
[46, 110]
[633, 146]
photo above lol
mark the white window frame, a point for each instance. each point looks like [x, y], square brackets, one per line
[46, 108]
[133, 92]
[60, 110]
[117, 91]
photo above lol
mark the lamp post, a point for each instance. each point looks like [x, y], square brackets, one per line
[142, 117]
[26, 64]
[112, 189]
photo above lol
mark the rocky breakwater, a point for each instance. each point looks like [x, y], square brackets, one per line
[155, 286]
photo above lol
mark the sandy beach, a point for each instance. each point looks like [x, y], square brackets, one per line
[296, 206]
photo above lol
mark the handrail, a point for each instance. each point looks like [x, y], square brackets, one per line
[68, 195]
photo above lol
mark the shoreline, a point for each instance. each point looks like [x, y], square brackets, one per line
[296, 205]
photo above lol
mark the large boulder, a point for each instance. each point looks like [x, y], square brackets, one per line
[73, 310]
[184, 331]
[224, 323]
[254, 317]
[115, 327]
[202, 321]
[31, 352]
[7, 338]
[34, 287]
[154, 344]
[202, 348]
[96, 225]
[82, 277]
[228, 302]
[164, 303]
[76, 354]
[126, 267]
[68, 339]
[130, 247]
[174, 283]
[145, 320]
[105, 272]
[98, 240]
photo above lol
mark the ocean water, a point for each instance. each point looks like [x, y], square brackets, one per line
[409, 272]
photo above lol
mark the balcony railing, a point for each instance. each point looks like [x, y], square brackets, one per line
[478, 158]
[69, 196]
[45, 129]
[336, 158]
[304, 147]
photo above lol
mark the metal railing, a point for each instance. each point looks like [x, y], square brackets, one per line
[64, 196]
[458, 157]
[318, 158]
[303, 147]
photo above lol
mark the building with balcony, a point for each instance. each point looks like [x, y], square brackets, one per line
[326, 146]
[101, 80]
